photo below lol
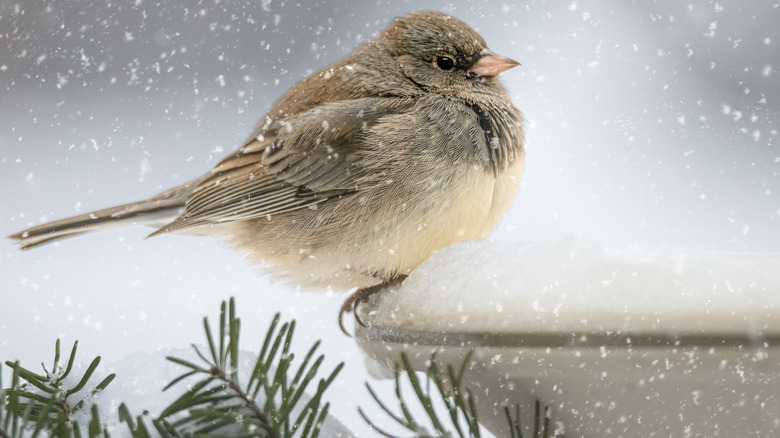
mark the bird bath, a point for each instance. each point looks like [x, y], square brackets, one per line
[616, 342]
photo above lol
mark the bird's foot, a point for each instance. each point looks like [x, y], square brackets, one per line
[361, 296]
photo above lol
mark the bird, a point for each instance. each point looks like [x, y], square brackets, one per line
[361, 171]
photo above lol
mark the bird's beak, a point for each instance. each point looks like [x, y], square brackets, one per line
[490, 64]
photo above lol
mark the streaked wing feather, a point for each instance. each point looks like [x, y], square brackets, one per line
[295, 163]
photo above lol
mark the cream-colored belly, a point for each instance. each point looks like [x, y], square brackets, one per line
[394, 240]
[469, 210]
[477, 207]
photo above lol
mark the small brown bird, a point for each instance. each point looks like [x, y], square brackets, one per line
[362, 170]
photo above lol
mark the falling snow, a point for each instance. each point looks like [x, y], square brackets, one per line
[648, 123]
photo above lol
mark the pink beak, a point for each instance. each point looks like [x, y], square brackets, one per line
[490, 64]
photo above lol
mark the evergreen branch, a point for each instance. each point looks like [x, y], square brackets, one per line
[265, 404]
[218, 405]
[40, 416]
[458, 401]
[249, 402]
[42, 405]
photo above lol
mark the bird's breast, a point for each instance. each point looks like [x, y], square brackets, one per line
[469, 208]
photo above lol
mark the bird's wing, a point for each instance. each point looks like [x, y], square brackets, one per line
[290, 163]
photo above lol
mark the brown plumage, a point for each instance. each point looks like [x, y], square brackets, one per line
[361, 171]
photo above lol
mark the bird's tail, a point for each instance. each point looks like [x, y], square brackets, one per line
[158, 210]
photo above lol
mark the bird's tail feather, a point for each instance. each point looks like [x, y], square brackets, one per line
[158, 210]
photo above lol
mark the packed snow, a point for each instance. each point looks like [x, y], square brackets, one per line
[573, 286]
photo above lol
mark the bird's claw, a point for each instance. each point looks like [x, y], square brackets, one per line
[361, 296]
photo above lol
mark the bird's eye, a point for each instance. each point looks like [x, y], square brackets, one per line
[445, 62]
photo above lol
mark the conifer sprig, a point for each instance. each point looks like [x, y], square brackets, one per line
[448, 390]
[269, 401]
[41, 405]
[46, 394]
[266, 405]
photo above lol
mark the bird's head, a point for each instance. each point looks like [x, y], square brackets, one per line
[442, 54]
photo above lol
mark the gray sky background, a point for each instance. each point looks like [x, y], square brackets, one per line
[651, 124]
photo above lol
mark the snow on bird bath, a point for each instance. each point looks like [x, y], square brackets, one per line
[573, 286]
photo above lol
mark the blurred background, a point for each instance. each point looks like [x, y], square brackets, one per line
[651, 124]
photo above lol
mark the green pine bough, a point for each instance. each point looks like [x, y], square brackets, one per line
[459, 404]
[268, 402]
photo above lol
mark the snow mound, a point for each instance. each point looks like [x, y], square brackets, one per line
[571, 286]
